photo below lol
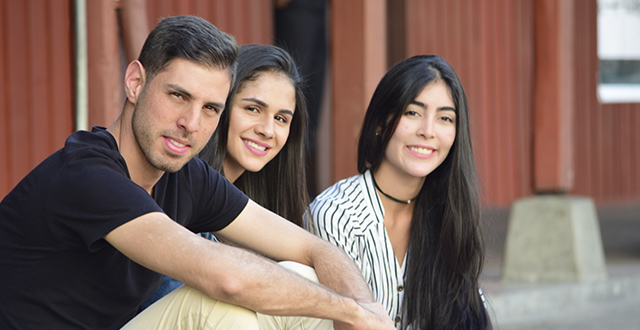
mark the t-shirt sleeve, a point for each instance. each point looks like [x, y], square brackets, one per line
[90, 196]
[216, 201]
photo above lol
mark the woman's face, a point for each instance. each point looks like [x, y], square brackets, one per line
[425, 133]
[259, 123]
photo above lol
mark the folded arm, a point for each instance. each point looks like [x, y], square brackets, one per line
[246, 279]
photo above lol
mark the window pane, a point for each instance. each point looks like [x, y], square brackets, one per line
[619, 50]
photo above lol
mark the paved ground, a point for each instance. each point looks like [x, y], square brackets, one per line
[613, 304]
[622, 314]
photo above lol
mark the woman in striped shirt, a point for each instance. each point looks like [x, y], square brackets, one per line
[410, 219]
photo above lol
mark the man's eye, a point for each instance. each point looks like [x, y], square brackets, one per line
[212, 108]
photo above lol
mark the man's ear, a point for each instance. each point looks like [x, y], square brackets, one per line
[134, 80]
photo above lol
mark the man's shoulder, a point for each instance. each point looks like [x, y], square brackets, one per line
[98, 137]
[85, 150]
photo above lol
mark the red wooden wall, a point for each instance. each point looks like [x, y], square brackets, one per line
[249, 21]
[36, 84]
[606, 136]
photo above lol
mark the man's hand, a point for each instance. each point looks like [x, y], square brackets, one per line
[372, 316]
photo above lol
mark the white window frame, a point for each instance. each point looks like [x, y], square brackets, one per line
[618, 39]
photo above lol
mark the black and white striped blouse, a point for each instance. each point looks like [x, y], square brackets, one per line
[350, 215]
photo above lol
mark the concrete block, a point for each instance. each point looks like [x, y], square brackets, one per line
[553, 238]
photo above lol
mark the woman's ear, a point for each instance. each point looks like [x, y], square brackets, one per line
[134, 80]
[378, 130]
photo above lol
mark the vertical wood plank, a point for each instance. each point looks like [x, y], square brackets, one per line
[554, 96]
[359, 62]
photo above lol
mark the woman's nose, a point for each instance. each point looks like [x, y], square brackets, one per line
[265, 128]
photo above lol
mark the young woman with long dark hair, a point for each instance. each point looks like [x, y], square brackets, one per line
[259, 145]
[271, 174]
[410, 220]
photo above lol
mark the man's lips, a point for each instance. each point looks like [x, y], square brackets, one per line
[176, 146]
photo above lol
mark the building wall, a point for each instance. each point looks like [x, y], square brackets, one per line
[249, 21]
[606, 136]
[36, 84]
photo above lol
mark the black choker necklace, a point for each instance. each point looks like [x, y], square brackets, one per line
[406, 201]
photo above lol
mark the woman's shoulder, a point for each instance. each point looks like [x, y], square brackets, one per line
[345, 204]
[341, 194]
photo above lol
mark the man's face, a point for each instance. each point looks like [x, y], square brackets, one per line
[177, 113]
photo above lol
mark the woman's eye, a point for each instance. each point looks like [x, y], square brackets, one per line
[176, 94]
[281, 119]
[448, 119]
[411, 113]
[252, 108]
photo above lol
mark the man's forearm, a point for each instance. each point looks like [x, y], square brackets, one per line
[225, 273]
[268, 288]
[338, 272]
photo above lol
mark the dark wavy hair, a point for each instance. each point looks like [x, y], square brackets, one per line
[281, 185]
[445, 255]
[191, 38]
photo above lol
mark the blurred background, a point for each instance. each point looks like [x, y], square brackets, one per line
[553, 86]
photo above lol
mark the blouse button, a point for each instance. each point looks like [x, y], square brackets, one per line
[398, 318]
[400, 288]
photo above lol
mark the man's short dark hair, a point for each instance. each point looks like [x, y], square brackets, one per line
[191, 38]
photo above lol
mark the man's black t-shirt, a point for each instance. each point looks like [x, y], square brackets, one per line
[56, 270]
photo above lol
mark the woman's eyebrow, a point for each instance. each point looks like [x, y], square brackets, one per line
[251, 99]
[289, 112]
[418, 103]
[263, 104]
[422, 105]
[447, 109]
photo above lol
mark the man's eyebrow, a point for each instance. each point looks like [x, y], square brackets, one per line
[422, 105]
[216, 105]
[187, 94]
[180, 90]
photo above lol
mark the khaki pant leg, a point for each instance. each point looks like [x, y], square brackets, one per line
[189, 309]
[268, 322]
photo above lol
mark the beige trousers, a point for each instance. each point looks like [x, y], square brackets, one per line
[189, 309]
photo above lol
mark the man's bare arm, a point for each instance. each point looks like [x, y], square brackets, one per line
[231, 274]
[281, 240]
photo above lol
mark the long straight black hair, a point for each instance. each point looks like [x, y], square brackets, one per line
[445, 255]
[281, 185]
